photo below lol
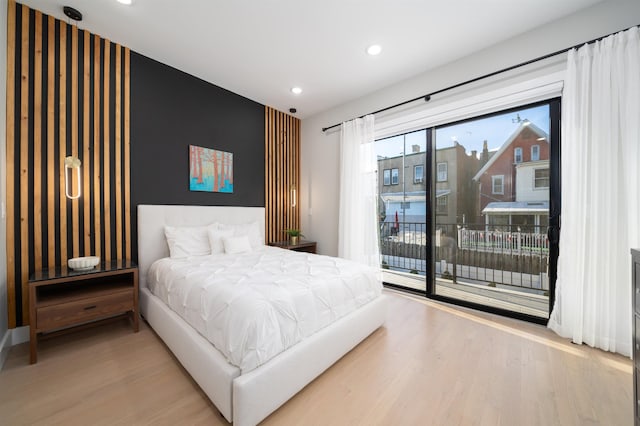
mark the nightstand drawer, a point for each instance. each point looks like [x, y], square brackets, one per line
[79, 311]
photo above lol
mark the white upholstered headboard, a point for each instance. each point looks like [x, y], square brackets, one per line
[152, 244]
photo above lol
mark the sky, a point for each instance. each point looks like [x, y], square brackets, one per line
[470, 134]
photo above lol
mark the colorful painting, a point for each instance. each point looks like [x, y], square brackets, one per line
[210, 170]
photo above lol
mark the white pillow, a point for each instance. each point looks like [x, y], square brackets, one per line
[251, 230]
[215, 235]
[187, 241]
[233, 245]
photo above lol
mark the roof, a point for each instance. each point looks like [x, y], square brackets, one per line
[517, 207]
[508, 142]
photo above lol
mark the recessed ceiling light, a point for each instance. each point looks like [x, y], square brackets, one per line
[127, 2]
[296, 90]
[374, 49]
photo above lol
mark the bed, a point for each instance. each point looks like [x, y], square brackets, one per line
[244, 396]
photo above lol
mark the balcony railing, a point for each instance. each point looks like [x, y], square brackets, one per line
[403, 246]
[511, 255]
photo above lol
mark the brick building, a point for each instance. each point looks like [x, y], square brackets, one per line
[513, 185]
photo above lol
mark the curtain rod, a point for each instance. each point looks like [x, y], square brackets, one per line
[427, 97]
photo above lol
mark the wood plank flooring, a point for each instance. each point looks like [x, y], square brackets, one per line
[432, 364]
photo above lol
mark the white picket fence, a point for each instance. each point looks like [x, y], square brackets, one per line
[503, 242]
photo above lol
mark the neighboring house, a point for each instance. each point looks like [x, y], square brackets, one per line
[513, 185]
[455, 192]
[532, 181]
[404, 198]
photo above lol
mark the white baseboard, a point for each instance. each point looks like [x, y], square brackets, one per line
[13, 336]
[19, 335]
[5, 345]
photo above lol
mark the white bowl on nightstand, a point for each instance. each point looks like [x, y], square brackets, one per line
[83, 263]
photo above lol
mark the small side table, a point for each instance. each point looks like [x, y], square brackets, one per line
[302, 245]
[61, 298]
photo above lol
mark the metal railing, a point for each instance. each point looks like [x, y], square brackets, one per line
[509, 255]
[403, 246]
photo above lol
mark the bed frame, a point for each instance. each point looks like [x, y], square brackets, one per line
[244, 399]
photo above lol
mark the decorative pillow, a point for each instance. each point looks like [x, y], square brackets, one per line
[215, 235]
[251, 230]
[187, 241]
[234, 245]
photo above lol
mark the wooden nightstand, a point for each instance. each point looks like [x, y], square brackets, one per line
[61, 298]
[302, 245]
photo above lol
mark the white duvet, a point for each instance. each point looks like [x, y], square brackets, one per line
[252, 306]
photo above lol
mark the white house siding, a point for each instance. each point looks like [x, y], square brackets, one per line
[525, 190]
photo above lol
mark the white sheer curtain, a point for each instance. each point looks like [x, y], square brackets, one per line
[600, 193]
[358, 224]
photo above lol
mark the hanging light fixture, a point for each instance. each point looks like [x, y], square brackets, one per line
[72, 177]
[294, 195]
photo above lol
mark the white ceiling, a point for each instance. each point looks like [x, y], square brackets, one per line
[262, 48]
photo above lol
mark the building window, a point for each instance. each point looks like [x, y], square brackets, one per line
[387, 177]
[517, 155]
[497, 184]
[442, 204]
[405, 205]
[442, 172]
[394, 176]
[541, 178]
[499, 223]
[418, 174]
[535, 152]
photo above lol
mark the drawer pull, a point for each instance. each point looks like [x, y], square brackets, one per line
[90, 307]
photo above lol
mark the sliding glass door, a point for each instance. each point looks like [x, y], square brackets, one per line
[469, 211]
[492, 178]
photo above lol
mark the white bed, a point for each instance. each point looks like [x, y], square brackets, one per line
[244, 399]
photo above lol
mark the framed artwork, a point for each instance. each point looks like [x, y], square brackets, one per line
[210, 170]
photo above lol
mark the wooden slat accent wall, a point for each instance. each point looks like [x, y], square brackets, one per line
[282, 169]
[67, 94]
[11, 158]
[22, 146]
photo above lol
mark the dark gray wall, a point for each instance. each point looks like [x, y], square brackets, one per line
[171, 110]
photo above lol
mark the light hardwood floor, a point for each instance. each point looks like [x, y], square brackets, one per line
[432, 364]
